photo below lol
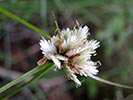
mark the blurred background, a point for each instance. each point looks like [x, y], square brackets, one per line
[110, 22]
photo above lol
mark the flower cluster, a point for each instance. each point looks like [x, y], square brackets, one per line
[71, 50]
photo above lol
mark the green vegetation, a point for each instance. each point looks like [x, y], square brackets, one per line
[110, 22]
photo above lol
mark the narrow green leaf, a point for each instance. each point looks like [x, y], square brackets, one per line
[26, 75]
[22, 21]
[28, 83]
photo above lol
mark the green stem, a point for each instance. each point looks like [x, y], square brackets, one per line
[26, 75]
[28, 83]
[8, 14]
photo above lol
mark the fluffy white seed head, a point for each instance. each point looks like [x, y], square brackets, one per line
[70, 50]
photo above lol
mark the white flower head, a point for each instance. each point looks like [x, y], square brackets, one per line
[71, 51]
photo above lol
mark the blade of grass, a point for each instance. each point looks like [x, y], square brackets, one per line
[43, 11]
[26, 75]
[22, 21]
[28, 83]
[8, 56]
